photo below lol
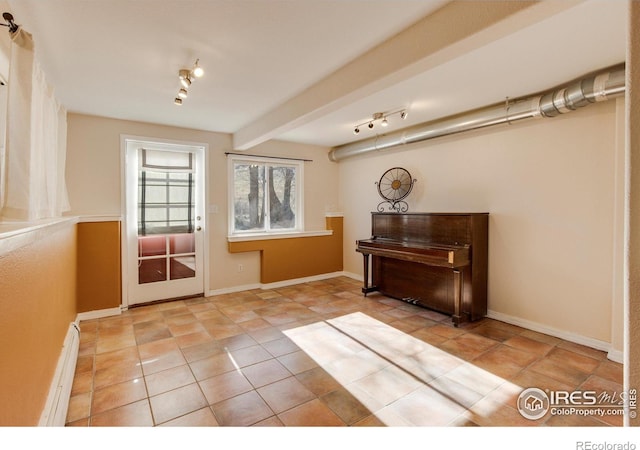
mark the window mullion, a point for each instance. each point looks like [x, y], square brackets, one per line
[167, 197]
[143, 203]
[267, 203]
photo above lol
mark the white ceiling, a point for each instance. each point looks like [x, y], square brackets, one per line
[120, 59]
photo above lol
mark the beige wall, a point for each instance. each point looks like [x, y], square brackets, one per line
[94, 183]
[549, 187]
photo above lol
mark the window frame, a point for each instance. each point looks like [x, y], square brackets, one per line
[266, 162]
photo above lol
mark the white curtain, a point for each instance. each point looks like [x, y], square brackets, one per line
[36, 139]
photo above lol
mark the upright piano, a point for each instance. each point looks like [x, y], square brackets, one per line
[435, 260]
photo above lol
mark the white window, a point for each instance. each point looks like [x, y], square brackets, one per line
[266, 195]
[166, 192]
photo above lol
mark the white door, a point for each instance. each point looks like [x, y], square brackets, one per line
[164, 221]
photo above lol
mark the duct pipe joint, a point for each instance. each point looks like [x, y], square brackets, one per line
[600, 87]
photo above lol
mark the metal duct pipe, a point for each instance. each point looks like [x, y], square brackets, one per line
[595, 88]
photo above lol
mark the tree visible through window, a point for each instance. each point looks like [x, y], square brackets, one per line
[265, 196]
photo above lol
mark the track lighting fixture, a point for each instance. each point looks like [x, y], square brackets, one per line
[382, 117]
[186, 77]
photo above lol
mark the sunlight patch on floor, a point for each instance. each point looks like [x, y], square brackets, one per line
[402, 380]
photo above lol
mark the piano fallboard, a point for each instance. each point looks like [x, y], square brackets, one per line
[439, 255]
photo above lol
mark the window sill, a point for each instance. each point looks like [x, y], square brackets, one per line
[284, 235]
[14, 235]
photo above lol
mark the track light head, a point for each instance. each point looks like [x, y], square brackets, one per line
[197, 70]
[182, 93]
[403, 115]
[370, 125]
[356, 130]
[177, 101]
[384, 122]
[185, 77]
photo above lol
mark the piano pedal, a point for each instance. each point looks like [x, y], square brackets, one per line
[413, 301]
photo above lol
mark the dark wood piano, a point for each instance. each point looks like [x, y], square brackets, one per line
[435, 260]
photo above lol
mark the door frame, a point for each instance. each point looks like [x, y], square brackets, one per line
[124, 241]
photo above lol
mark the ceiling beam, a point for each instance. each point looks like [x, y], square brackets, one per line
[453, 30]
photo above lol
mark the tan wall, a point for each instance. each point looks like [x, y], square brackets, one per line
[98, 266]
[37, 300]
[94, 183]
[284, 259]
[549, 188]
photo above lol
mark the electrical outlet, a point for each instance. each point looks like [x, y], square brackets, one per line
[240, 268]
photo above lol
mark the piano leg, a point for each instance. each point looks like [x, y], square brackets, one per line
[366, 289]
[457, 297]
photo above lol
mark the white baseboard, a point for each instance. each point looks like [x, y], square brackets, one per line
[275, 285]
[355, 276]
[616, 355]
[55, 410]
[279, 284]
[231, 290]
[98, 314]
[597, 344]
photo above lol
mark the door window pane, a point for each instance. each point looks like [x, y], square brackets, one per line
[152, 270]
[182, 243]
[166, 200]
[183, 267]
[151, 246]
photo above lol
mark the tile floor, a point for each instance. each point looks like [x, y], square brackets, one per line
[320, 354]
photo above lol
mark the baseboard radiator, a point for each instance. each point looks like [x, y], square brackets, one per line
[55, 410]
